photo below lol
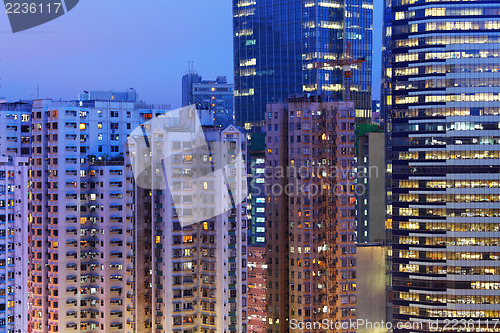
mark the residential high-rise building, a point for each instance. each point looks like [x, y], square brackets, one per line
[214, 95]
[193, 271]
[311, 215]
[82, 224]
[441, 99]
[78, 232]
[14, 217]
[277, 42]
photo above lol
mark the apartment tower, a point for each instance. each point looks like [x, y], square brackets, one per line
[14, 217]
[82, 221]
[194, 277]
[311, 226]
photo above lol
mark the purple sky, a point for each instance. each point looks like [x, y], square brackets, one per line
[118, 44]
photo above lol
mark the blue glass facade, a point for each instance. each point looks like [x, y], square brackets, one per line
[276, 43]
[442, 103]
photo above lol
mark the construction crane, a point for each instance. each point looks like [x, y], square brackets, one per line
[346, 64]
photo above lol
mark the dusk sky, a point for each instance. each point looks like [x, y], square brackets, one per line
[118, 44]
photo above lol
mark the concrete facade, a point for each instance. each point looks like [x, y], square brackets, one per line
[194, 275]
[83, 224]
[14, 219]
[311, 229]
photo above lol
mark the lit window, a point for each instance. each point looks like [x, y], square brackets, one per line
[83, 126]
[248, 62]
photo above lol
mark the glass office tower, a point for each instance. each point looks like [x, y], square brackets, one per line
[442, 97]
[276, 43]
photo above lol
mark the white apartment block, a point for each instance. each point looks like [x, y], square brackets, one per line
[14, 218]
[193, 277]
[14, 215]
[83, 225]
